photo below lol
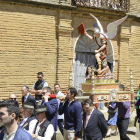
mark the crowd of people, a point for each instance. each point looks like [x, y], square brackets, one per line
[39, 117]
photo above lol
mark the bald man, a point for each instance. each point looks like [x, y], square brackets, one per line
[12, 96]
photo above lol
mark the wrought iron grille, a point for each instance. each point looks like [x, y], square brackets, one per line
[119, 5]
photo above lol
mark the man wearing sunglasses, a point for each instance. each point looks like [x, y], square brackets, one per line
[52, 106]
[12, 96]
[37, 87]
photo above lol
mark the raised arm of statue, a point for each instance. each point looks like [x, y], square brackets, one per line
[89, 36]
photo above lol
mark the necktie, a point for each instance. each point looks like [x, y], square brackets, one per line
[24, 99]
[87, 118]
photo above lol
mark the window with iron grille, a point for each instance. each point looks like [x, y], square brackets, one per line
[118, 5]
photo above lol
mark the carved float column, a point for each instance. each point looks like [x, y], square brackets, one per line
[93, 82]
[92, 91]
[131, 87]
[99, 64]
[93, 85]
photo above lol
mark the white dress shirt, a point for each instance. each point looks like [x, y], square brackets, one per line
[48, 133]
[59, 94]
[23, 121]
[25, 98]
[32, 124]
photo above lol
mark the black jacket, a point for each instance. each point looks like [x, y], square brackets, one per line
[96, 128]
[30, 99]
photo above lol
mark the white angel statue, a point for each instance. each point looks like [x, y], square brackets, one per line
[103, 40]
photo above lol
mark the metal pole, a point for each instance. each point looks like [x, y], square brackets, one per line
[93, 81]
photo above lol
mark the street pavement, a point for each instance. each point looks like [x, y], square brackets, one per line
[130, 133]
[131, 129]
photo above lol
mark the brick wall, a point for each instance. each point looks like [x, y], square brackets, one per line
[37, 39]
[135, 6]
[129, 53]
[28, 45]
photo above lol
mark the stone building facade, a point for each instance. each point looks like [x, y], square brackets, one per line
[40, 35]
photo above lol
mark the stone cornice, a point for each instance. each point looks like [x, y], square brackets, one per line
[44, 3]
[134, 16]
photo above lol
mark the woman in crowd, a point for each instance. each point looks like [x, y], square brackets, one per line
[88, 72]
[112, 121]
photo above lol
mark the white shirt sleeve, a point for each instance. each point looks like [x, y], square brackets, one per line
[33, 85]
[48, 133]
[32, 125]
[45, 84]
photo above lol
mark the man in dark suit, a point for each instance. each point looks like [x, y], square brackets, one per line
[27, 97]
[52, 106]
[94, 123]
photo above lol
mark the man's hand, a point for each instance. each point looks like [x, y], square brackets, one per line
[34, 136]
[96, 51]
[39, 92]
[45, 97]
[132, 105]
[75, 138]
[62, 99]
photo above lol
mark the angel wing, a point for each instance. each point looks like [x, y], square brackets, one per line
[98, 23]
[112, 28]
